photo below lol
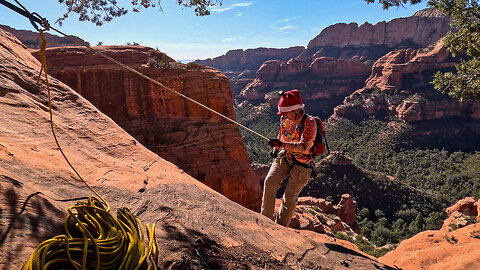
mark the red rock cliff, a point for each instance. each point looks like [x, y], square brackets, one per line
[325, 78]
[197, 228]
[32, 39]
[422, 29]
[251, 59]
[410, 71]
[199, 142]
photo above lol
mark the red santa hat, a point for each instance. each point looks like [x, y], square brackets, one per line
[290, 101]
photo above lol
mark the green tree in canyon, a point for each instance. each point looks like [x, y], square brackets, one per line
[102, 11]
[464, 38]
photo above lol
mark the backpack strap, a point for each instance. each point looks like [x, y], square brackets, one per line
[302, 124]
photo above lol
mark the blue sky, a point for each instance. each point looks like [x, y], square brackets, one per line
[234, 25]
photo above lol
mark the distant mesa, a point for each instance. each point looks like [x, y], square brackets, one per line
[32, 39]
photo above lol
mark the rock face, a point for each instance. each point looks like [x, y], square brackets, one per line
[454, 246]
[240, 66]
[399, 86]
[32, 39]
[420, 30]
[325, 78]
[461, 214]
[407, 69]
[204, 145]
[251, 59]
[313, 214]
[197, 228]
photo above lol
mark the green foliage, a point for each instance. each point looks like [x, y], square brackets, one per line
[394, 3]
[363, 245]
[449, 175]
[452, 240]
[475, 234]
[381, 236]
[464, 84]
[100, 12]
[433, 178]
[263, 120]
[163, 62]
[369, 248]
[343, 236]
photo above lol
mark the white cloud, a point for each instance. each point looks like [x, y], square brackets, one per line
[239, 14]
[220, 10]
[286, 20]
[286, 27]
[233, 38]
[243, 4]
[284, 24]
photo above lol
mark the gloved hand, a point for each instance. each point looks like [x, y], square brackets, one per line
[274, 143]
[274, 153]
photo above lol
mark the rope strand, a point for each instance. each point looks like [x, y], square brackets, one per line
[47, 84]
[157, 82]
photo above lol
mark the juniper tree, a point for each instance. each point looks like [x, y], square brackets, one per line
[101, 11]
[464, 84]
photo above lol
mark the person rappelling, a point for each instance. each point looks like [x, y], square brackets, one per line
[292, 157]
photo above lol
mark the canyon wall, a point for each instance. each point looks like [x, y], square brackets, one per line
[419, 30]
[399, 86]
[196, 227]
[201, 143]
[324, 80]
[251, 59]
[32, 39]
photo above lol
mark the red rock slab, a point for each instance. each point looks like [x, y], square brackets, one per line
[456, 250]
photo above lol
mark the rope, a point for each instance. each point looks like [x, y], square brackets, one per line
[47, 84]
[45, 24]
[156, 82]
[117, 243]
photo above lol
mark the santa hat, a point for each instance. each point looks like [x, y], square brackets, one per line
[290, 101]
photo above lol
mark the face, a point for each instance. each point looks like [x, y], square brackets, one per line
[291, 115]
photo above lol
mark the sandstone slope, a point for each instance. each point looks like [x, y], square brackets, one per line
[203, 144]
[197, 228]
[454, 246]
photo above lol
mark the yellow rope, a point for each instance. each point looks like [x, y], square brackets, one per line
[47, 84]
[116, 243]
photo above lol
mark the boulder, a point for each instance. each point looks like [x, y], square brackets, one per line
[454, 246]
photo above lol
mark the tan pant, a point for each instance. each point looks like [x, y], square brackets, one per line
[298, 177]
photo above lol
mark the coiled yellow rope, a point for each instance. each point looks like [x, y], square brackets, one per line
[98, 240]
